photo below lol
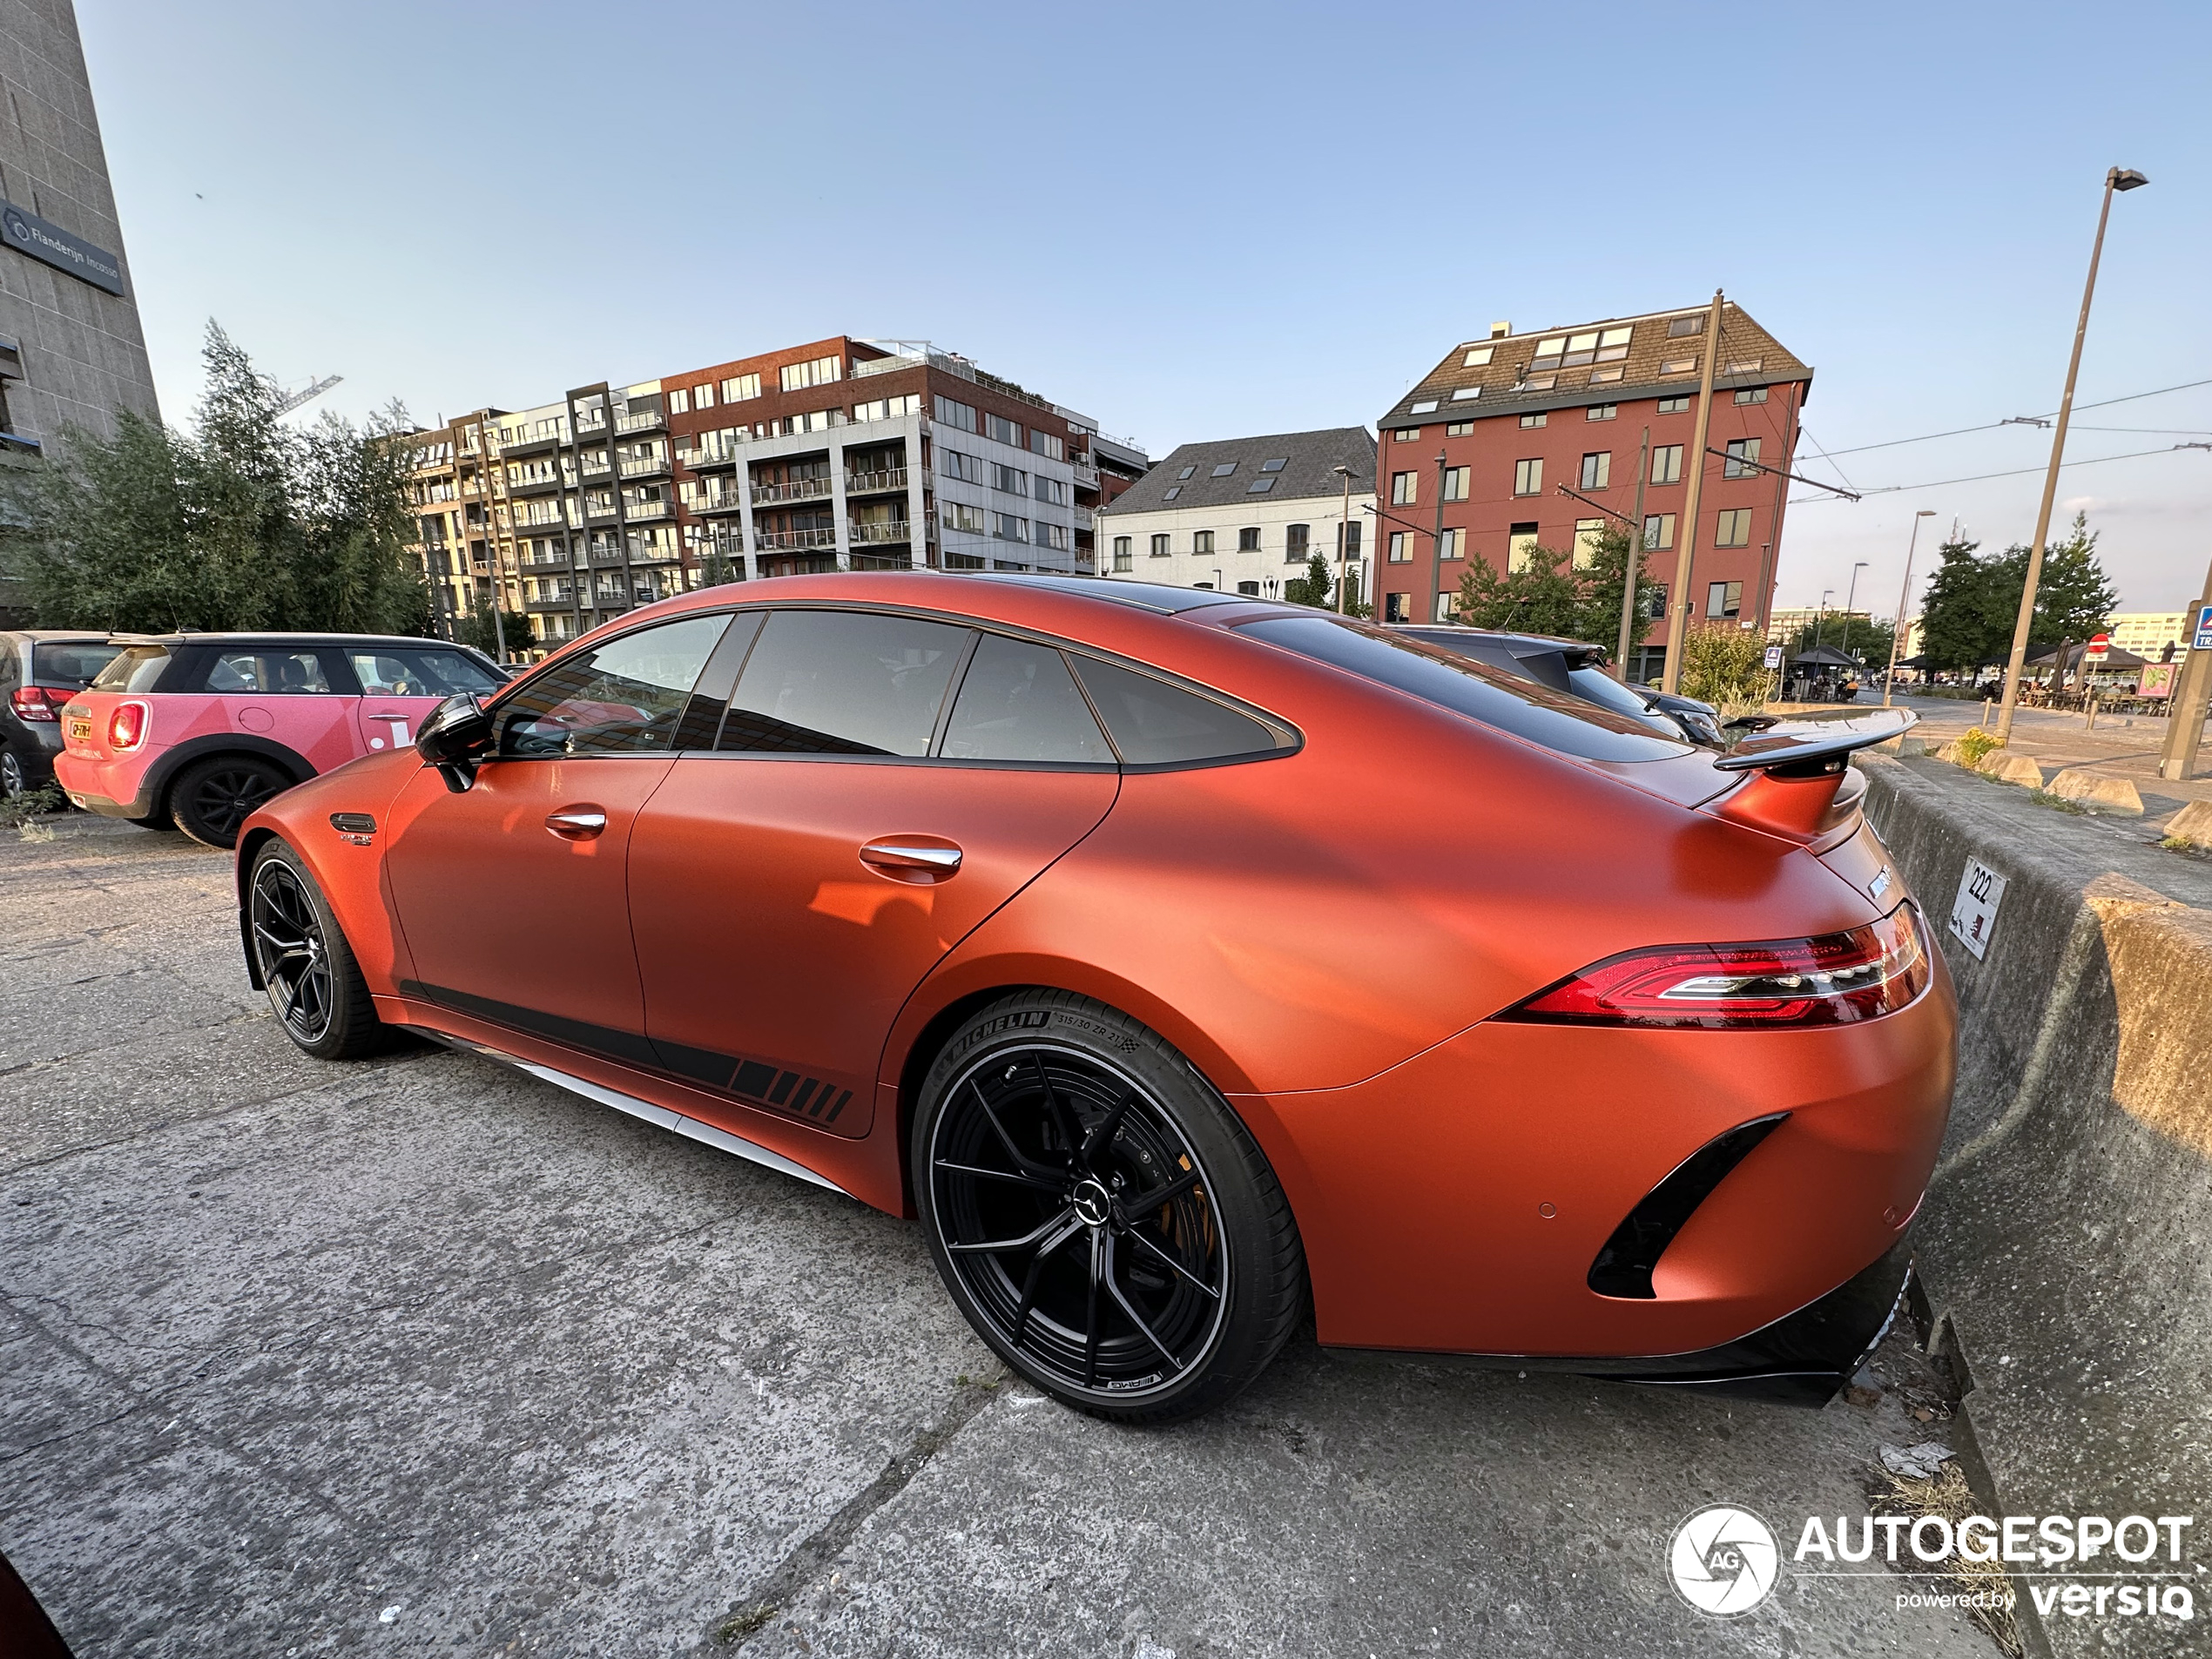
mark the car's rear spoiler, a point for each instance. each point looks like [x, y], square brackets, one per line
[1798, 766]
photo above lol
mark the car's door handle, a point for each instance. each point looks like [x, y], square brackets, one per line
[907, 856]
[576, 823]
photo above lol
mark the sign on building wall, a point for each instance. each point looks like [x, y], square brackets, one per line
[26, 233]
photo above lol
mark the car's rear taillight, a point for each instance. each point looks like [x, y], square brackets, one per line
[39, 702]
[127, 727]
[1833, 980]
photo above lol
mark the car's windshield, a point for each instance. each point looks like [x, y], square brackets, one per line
[1554, 720]
[71, 663]
[134, 668]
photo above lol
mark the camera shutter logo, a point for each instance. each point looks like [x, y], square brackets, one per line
[1723, 1559]
[19, 230]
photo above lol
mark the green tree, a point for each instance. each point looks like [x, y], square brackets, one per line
[1965, 609]
[479, 628]
[244, 523]
[1540, 598]
[1725, 665]
[1973, 603]
[1598, 615]
[2073, 598]
[1317, 587]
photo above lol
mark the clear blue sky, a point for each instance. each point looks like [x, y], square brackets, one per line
[1196, 222]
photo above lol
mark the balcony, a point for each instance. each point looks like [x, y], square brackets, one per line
[588, 421]
[876, 483]
[717, 501]
[539, 521]
[1086, 477]
[598, 509]
[641, 421]
[708, 455]
[646, 467]
[605, 556]
[523, 447]
[798, 489]
[1085, 519]
[792, 541]
[639, 511]
[889, 529]
[544, 562]
[563, 601]
[597, 469]
[534, 487]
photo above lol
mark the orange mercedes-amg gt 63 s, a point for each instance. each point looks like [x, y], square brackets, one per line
[1182, 962]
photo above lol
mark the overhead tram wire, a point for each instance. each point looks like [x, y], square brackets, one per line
[1938, 483]
[2019, 419]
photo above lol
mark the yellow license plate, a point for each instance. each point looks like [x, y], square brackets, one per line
[80, 729]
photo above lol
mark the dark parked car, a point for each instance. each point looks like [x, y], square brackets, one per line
[1575, 666]
[40, 670]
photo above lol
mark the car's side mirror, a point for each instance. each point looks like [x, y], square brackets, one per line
[454, 739]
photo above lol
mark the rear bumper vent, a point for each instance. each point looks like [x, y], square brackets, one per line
[1623, 1267]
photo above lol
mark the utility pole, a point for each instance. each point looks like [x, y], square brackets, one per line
[1903, 599]
[1851, 597]
[1343, 546]
[1436, 605]
[2185, 705]
[1679, 601]
[1635, 565]
[2116, 179]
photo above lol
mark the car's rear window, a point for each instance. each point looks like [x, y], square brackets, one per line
[134, 669]
[72, 664]
[1551, 719]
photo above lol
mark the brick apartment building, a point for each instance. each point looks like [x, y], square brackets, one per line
[842, 454]
[1501, 423]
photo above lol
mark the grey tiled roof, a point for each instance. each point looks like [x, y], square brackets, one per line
[1749, 356]
[1307, 458]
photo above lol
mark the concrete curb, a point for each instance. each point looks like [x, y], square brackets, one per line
[2067, 1235]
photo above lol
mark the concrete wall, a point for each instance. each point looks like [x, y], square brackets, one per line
[84, 353]
[2067, 1234]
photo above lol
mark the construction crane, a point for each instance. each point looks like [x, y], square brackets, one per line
[314, 390]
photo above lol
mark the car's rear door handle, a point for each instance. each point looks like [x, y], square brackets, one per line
[576, 823]
[906, 856]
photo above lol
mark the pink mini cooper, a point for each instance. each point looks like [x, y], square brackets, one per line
[192, 731]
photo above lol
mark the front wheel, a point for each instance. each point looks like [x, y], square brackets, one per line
[314, 982]
[1103, 1220]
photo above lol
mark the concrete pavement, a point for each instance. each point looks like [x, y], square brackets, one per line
[424, 1357]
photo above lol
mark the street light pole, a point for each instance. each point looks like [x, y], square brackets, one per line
[1436, 603]
[1903, 599]
[1343, 545]
[1678, 600]
[1635, 559]
[2116, 179]
[1851, 597]
[1820, 616]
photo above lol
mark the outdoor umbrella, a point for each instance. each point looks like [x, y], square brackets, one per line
[1825, 656]
[2114, 658]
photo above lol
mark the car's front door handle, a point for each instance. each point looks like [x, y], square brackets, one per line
[908, 856]
[576, 823]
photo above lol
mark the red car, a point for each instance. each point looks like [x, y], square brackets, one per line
[195, 731]
[1182, 960]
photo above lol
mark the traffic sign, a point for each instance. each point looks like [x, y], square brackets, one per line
[1774, 656]
[2202, 641]
[2099, 647]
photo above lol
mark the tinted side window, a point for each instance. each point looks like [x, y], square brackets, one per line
[843, 682]
[267, 673]
[1555, 720]
[626, 696]
[1018, 702]
[1155, 724]
[387, 673]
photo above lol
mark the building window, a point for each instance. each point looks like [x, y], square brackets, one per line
[1188, 472]
[703, 395]
[1453, 545]
[1248, 540]
[1742, 458]
[1002, 430]
[1734, 528]
[1539, 382]
[1053, 535]
[1530, 422]
[1606, 376]
[1012, 480]
[797, 377]
[1426, 407]
[1404, 487]
[1259, 486]
[1458, 483]
[1679, 366]
[1398, 607]
[1587, 530]
[1658, 531]
[1045, 444]
[1724, 599]
[1007, 527]
[1459, 429]
[1747, 365]
[1121, 553]
[1477, 357]
[1401, 547]
[1297, 544]
[1528, 477]
[1749, 394]
[951, 413]
[1597, 469]
[959, 516]
[1172, 491]
[1159, 547]
[1467, 394]
[1050, 490]
[1601, 411]
[1202, 543]
[1666, 464]
[1348, 539]
[1674, 406]
[1519, 540]
[1225, 470]
[953, 464]
[1406, 433]
[739, 387]
[1682, 327]
[680, 400]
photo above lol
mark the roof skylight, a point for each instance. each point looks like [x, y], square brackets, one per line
[1224, 469]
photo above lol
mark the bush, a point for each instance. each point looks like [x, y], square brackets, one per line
[1725, 665]
[1974, 745]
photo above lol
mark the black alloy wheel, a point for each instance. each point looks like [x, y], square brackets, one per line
[13, 783]
[214, 799]
[1106, 1224]
[290, 949]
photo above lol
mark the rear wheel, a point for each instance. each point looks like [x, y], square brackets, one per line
[213, 797]
[1101, 1216]
[14, 784]
[314, 982]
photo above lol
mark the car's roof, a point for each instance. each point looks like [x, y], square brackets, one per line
[48, 636]
[243, 639]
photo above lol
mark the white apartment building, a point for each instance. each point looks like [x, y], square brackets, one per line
[1244, 514]
[2147, 633]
